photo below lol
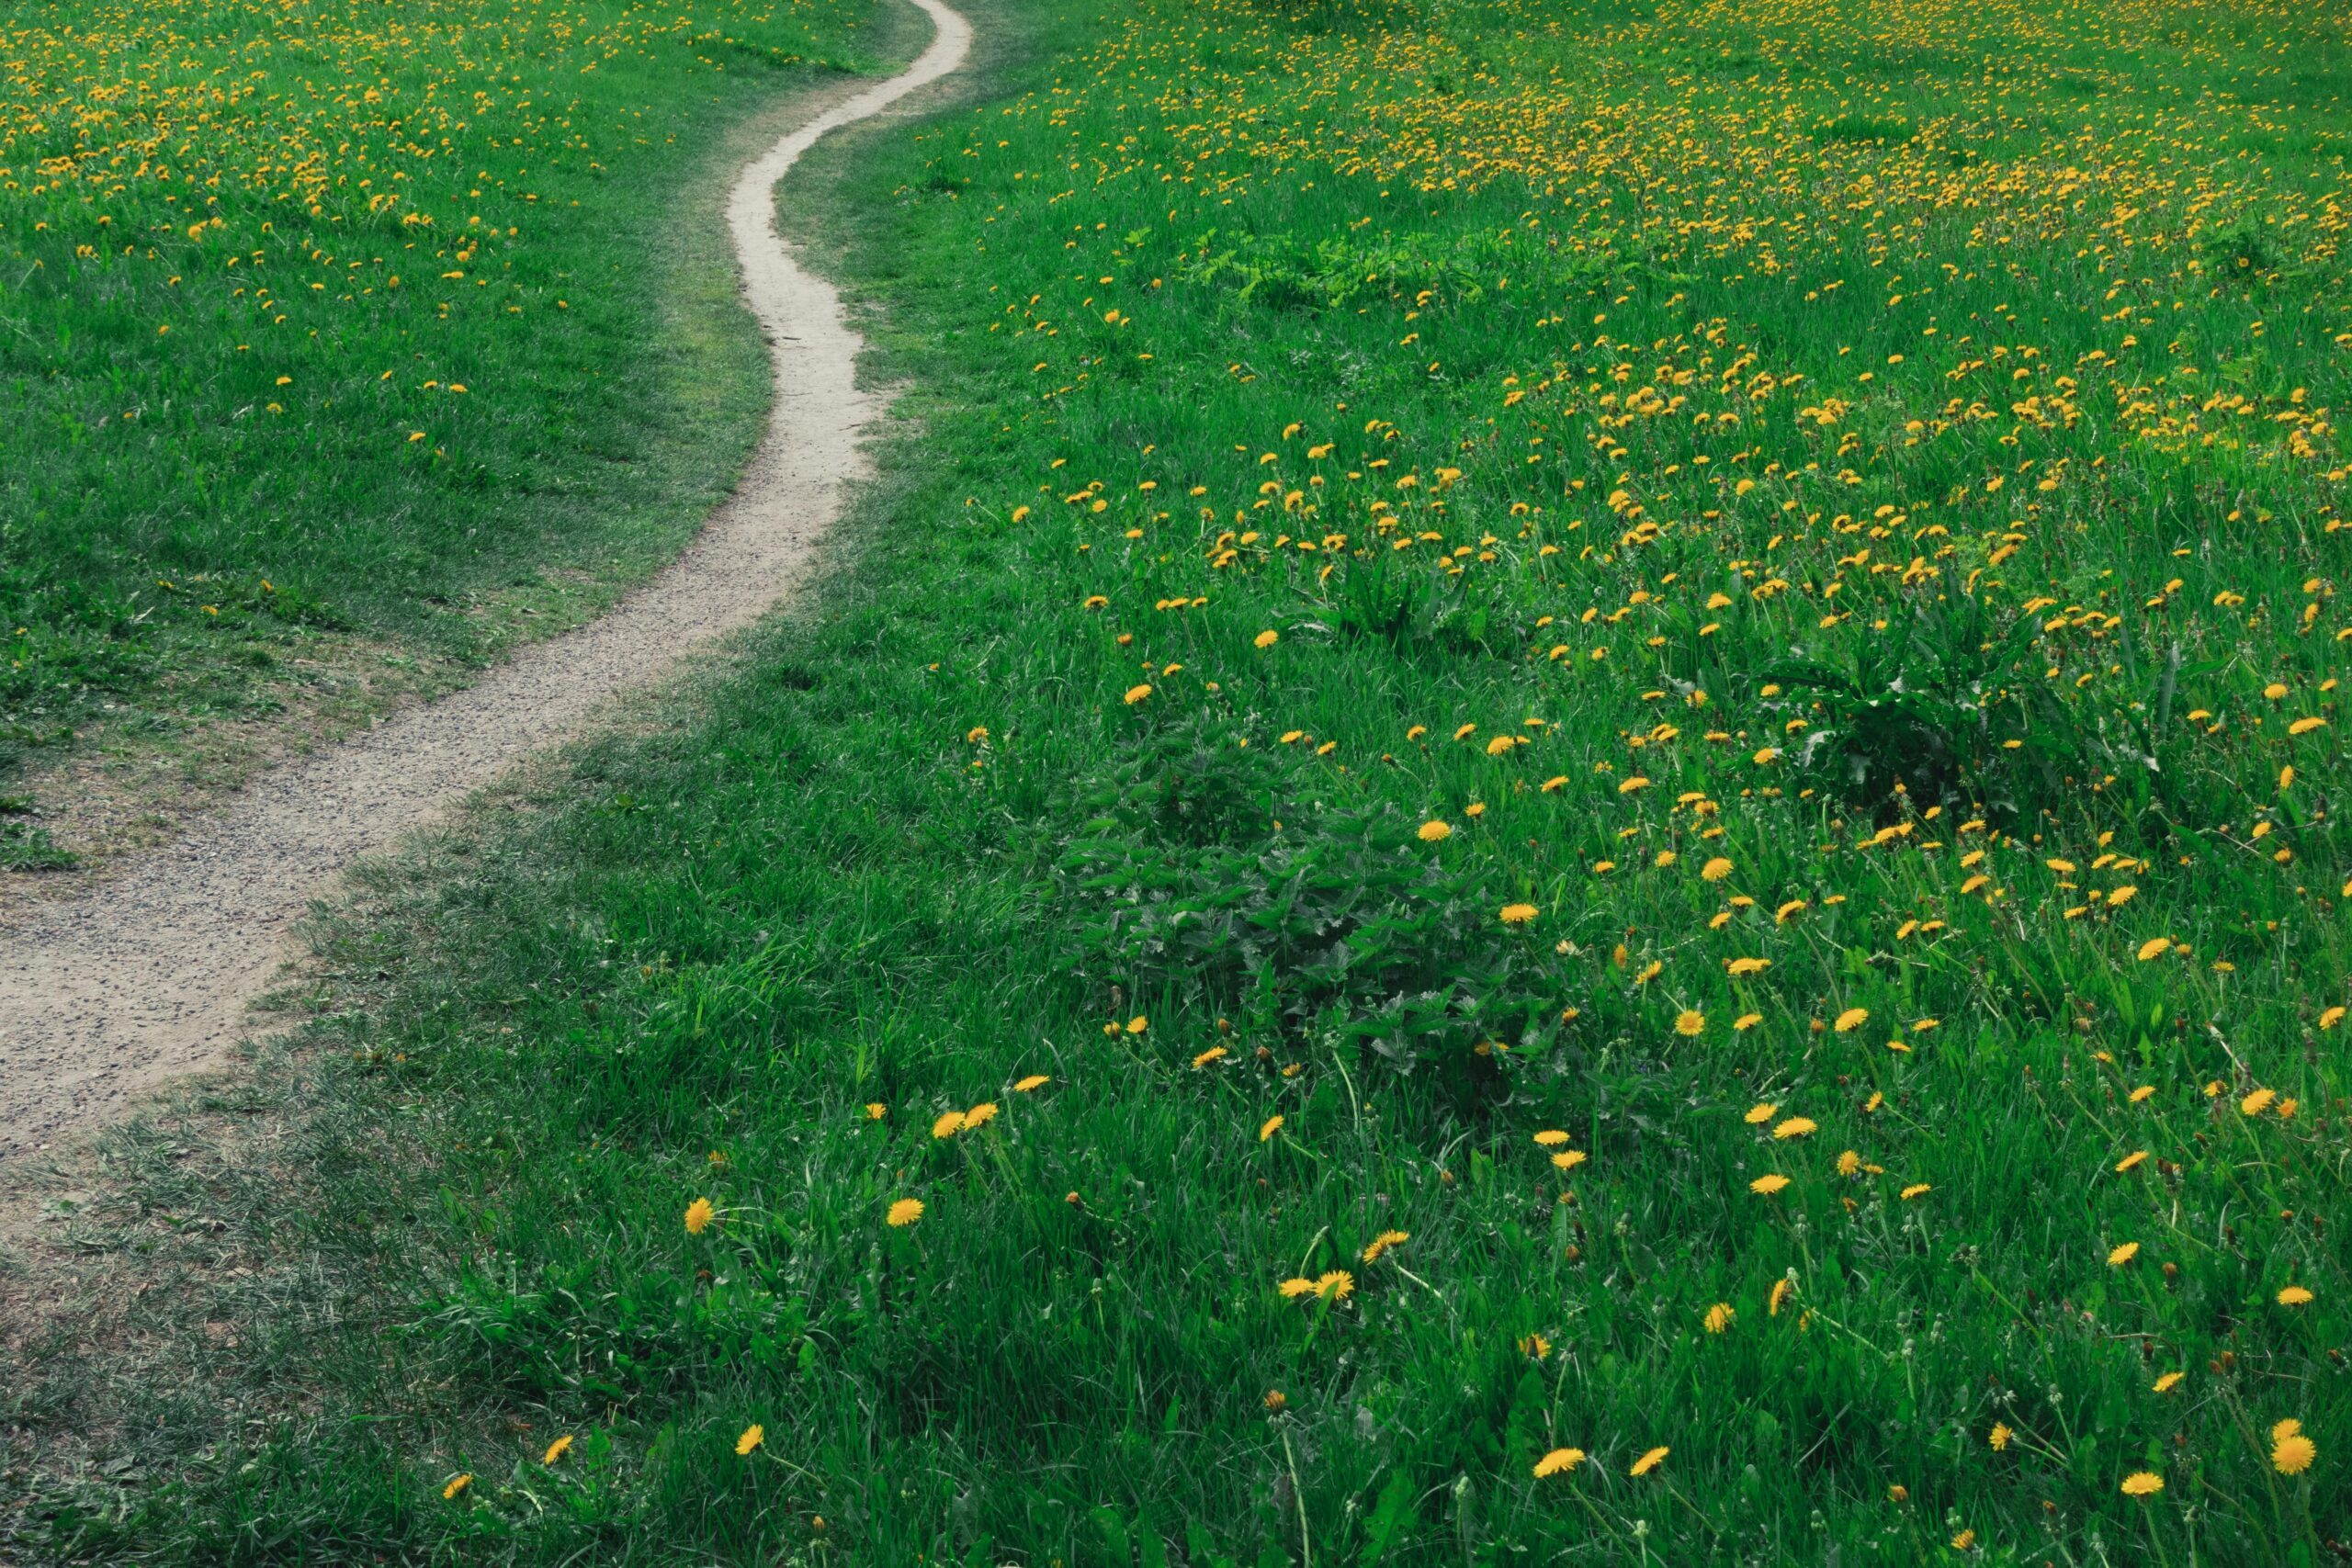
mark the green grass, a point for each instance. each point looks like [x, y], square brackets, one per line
[984, 811]
[26, 846]
[205, 455]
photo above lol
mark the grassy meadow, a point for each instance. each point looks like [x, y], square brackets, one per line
[341, 322]
[1575, 801]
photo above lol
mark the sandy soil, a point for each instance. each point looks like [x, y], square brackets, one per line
[149, 974]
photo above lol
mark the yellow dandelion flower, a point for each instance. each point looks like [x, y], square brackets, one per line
[456, 1483]
[2143, 1483]
[980, 1115]
[1550, 1138]
[1999, 1436]
[1747, 1021]
[1137, 1024]
[556, 1449]
[2293, 1454]
[1848, 1162]
[2131, 1161]
[1032, 1084]
[1518, 914]
[2258, 1102]
[1435, 831]
[2153, 948]
[1569, 1160]
[1266, 640]
[1272, 1124]
[2295, 1296]
[1795, 1127]
[1649, 1462]
[1214, 1054]
[1917, 1190]
[1382, 1242]
[904, 1213]
[1295, 1288]
[876, 1111]
[1782, 1291]
[1689, 1021]
[1559, 1462]
[1759, 1115]
[1138, 693]
[1335, 1285]
[1851, 1020]
[699, 1213]
[1767, 1185]
[2117, 1257]
[2167, 1383]
[753, 1435]
[1714, 870]
[950, 1122]
[1719, 1317]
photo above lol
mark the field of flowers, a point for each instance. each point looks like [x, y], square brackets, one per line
[335, 315]
[1580, 800]
[1777, 567]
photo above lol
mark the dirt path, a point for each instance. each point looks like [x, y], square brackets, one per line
[149, 974]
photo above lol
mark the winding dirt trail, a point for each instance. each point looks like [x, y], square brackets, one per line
[149, 974]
